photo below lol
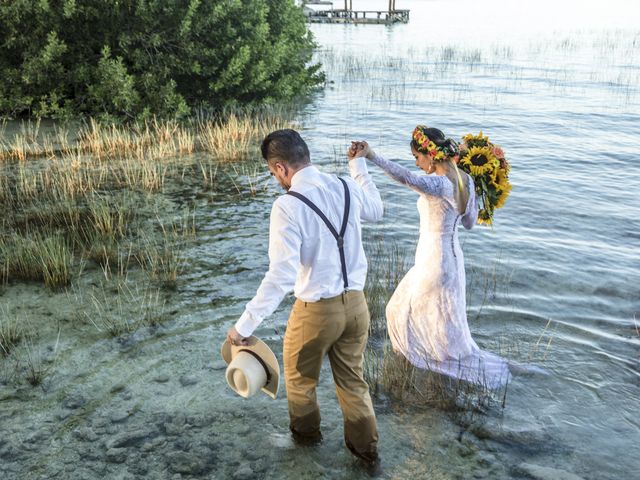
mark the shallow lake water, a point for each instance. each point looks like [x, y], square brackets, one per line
[559, 89]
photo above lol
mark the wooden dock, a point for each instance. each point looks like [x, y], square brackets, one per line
[322, 14]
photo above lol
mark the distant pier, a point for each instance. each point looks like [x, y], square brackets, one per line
[323, 12]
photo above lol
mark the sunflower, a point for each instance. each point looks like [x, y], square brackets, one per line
[479, 140]
[484, 217]
[504, 194]
[501, 179]
[480, 160]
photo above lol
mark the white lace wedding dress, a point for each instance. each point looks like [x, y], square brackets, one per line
[426, 316]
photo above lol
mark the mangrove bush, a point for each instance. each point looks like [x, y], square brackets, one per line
[140, 58]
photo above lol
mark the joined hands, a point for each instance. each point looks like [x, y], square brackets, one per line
[360, 149]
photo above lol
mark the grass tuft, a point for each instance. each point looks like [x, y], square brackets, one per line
[10, 332]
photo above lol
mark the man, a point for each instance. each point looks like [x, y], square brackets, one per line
[315, 249]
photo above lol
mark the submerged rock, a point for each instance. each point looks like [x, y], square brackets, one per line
[119, 417]
[116, 455]
[64, 414]
[154, 444]
[219, 365]
[200, 420]
[539, 472]
[185, 462]
[187, 380]
[175, 425]
[128, 439]
[74, 401]
[162, 378]
[245, 472]
[85, 433]
[529, 438]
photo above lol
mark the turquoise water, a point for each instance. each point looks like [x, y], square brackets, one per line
[557, 84]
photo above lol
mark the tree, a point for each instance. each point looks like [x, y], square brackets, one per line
[136, 58]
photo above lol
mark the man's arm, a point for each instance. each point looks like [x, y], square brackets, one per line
[284, 261]
[372, 208]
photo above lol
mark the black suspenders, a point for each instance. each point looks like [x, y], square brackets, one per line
[338, 236]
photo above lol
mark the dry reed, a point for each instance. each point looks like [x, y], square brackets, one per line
[231, 135]
[10, 332]
[161, 256]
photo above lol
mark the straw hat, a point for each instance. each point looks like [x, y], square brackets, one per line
[251, 368]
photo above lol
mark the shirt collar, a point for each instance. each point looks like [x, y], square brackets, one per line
[305, 174]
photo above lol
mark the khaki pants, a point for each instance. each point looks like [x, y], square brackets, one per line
[339, 327]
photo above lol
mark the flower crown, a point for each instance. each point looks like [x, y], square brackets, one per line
[425, 145]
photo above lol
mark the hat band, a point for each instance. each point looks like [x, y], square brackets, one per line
[264, 365]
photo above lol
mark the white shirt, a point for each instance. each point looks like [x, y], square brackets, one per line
[303, 254]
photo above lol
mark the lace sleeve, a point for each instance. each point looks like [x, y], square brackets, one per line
[430, 185]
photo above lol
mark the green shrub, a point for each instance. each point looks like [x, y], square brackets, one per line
[137, 58]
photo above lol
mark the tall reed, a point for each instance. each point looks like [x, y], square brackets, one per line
[37, 257]
[388, 263]
[230, 135]
[10, 332]
[161, 256]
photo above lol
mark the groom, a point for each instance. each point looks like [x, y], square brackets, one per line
[315, 250]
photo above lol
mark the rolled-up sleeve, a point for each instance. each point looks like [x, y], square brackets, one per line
[284, 259]
[372, 208]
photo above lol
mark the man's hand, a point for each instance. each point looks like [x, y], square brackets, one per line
[235, 338]
[359, 149]
[355, 150]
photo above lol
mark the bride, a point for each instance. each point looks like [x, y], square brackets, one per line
[426, 316]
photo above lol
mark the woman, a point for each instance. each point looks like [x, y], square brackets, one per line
[426, 316]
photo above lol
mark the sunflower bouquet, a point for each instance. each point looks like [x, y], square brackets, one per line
[486, 163]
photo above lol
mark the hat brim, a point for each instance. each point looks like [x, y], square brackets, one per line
[262, 350]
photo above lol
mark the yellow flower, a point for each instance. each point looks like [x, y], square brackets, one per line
[503, 196]
[485, 162]
[419, 135]
[501, 180]
[480, 160]
[484, 218]
[469, 138]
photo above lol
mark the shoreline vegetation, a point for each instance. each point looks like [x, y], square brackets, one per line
[68, 202]
[97, 203]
